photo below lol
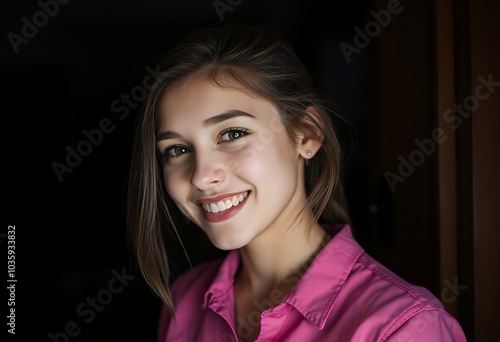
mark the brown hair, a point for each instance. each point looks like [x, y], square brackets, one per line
[260, 62]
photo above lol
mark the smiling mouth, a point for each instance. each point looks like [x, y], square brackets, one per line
[224, 204]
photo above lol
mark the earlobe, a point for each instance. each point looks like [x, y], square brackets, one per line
[310, 135]
[309, 154]
[309, 150]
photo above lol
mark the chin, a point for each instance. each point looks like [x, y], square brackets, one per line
[227, 244]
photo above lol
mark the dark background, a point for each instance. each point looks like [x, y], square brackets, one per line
[71, 234]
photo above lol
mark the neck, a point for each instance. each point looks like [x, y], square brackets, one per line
[275, 260]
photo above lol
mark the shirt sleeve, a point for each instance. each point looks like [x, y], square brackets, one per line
[429, 326]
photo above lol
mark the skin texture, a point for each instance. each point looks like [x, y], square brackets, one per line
[259, 158]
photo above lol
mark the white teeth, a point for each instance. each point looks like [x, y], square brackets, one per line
[224, 205]
[221, 206]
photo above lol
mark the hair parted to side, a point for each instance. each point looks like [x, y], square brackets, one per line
[252, 59]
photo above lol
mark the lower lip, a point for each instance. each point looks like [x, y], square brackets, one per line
[224, 215]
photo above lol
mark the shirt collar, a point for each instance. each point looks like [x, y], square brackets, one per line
[315, 293]
[223, 281]
[317, 290]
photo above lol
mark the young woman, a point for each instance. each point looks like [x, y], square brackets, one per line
[234, 139]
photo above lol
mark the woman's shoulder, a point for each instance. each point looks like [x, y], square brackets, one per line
[382, 305]
[412, 311]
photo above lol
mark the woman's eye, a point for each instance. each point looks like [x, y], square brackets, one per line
[232, 134]
[175, 151]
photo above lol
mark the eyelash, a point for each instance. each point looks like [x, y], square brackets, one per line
[236, 130]
[241, 131]
[166, 153]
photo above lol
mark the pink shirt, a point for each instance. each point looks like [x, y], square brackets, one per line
[344, 295]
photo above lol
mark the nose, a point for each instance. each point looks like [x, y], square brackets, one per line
[208, 172]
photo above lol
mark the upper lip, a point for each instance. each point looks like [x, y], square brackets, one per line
[214, 199]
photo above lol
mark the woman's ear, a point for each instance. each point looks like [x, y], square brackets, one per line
[310, 137]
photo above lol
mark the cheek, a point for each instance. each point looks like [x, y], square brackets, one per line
[268, 145]
[271, 163]
[174, 185]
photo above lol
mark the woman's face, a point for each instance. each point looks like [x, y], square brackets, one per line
[228, 162]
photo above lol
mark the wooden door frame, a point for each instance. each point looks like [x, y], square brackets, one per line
[468, 168]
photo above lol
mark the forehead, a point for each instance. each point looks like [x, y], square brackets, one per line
[197, 99]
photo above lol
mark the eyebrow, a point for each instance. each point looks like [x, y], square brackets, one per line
[214, 120]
